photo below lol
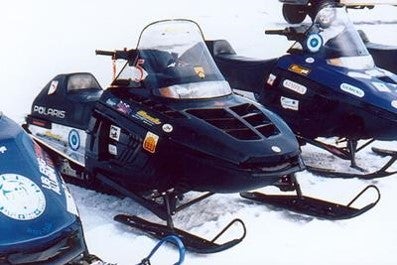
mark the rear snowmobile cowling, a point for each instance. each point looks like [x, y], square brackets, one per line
[38, 217]
[169, 124]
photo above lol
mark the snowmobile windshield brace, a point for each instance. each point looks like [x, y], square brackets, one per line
[333, 37]
[173, 61]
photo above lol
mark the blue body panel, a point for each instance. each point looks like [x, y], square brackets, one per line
[26, 169]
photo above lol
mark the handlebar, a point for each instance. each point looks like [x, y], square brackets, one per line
[125, 54]
[276, 31]
[292, 33]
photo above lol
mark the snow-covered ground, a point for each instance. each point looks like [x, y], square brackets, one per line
[42, 38]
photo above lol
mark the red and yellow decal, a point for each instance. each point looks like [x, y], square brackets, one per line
[150, 142]
[300, 70]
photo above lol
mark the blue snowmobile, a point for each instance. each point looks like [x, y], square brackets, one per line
[39, 220]
[326, 86]
[169, 124]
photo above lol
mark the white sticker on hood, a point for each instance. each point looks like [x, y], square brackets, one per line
[70, 204]
[394, 104]
[296, 87]
[381, 87]
[289, 103]
[271, 79]
[20, 198]
[358, 92]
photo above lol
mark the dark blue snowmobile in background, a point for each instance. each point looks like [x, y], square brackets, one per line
[39, 220]
[169, 124]
[326, 86]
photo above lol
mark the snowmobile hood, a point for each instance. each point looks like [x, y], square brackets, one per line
[231, 128]
[35, 205]
[370, 87]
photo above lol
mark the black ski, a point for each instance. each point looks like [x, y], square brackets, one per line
[313, 206]
[192, 242]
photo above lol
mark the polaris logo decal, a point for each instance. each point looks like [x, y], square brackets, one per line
[289, 103]
[352, 90]
[49, 112]
[20, 198]
[291, 85]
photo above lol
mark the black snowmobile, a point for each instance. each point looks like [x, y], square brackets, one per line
[169, 124]
[326, 86]
[38, 216]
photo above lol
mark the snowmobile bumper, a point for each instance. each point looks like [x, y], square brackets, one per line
[68, 247]
[230, 178]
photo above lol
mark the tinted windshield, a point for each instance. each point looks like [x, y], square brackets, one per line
[173, 61]
[341, 43]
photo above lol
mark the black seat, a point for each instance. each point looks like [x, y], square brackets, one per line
[241, 72]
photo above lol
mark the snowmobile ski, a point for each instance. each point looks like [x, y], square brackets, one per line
[191, 242]
[348, 153]
[313, 206]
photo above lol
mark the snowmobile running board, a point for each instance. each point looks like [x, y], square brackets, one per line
[313, 206]
[191, 242]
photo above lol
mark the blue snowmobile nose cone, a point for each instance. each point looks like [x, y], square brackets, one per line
[38, 217]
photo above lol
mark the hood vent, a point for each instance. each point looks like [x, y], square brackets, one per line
[244, 122]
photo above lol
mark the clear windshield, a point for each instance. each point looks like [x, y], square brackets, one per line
[341, 43]
[173, 61]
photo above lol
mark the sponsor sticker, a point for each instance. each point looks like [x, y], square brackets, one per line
[394, 104]
[276, 149]
[3, 149]
[300, 70]
[150, 142]
[70, 204]
[20, 198]
[289, 103]
[271, 79]
[381, 87]
[112, 149]
[296, 87]
[199, 71]
[53, 87]
[49, 178]
[114, 133]
[123, 107]
[310, 60]
[147, 118]
[167, 128]
[74, 140]
[352, 90]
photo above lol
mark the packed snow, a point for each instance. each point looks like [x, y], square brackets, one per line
[42, 38]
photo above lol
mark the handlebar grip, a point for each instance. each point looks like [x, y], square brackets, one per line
[105, 53]
[275, 32]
